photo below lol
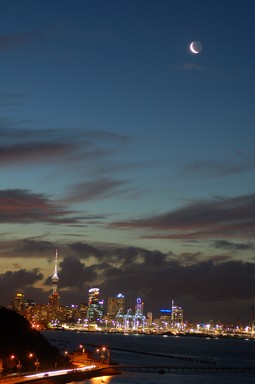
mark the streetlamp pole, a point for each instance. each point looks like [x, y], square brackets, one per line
[36, 362]
[82, 348]
[105, 355]
[1, 366]
[19, 366]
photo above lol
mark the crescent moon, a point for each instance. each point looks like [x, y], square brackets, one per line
[191, 47]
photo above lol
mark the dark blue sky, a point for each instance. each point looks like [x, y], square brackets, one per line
[129, 153]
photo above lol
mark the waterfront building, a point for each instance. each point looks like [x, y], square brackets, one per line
[116, 306]
[95, 306]
[83, 308]
[121, 303]
[37, 315]
[111, 308]
[176, 316]
[19, 304]
[165, 320]
[133, 322]
[121, 320]
[71, 313]
[149, 318]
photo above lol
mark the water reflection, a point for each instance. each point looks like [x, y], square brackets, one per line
[100, 380]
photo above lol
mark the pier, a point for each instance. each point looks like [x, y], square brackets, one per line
[187, 369]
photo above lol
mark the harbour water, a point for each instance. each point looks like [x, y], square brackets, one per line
[161, 351]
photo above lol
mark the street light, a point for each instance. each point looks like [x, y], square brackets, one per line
[19, 366]
[105, 355]
[83, 349]
[1, 367]
[36, 362]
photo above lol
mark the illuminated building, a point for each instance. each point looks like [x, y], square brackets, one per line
[116, 306]
[95, 306]
[19, 303]
[121, 303]
[111, 307]
[176, 316]
[83, 311]
[134, 322]
[149, 318]
[165, 318]
[54, 297]
[139, 307]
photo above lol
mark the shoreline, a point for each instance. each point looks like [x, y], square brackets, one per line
[187, 334]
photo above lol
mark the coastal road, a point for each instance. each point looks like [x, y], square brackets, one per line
[60, 376]
[25, 378]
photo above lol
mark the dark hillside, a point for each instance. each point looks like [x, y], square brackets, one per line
[19, 339]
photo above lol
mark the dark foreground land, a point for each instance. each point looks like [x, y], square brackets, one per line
[21, 347]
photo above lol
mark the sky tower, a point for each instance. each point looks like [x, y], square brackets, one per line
[55, 277]
[54, 297]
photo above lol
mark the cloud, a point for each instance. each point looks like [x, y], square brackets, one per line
[186, 278]
[17, 281]
[23, 206]
[96, 189]
[24, 248]
[189, 258]
[213, 288]
[32, 146]
[212, 168]
[84, 275]
[79, 152]
[115, 267]
[34, 247]
[70, 147]
[39, 152]
[205, 219]
[108, 136]
[85, 251]
[224, 244]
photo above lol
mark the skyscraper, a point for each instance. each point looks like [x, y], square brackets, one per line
[95, 306]
[121, 303]
[19, 304]
[176, 315]
[116, 306]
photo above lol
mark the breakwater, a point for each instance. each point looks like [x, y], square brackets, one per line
[187, 369]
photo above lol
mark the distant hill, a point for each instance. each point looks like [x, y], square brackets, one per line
[19, 339]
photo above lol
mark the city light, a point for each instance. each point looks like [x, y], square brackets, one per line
[19, 366]
[82, 348]
[112, 315]
[60, 372]
[105, 355]
[36, 361]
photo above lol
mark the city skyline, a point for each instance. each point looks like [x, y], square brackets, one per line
[99, 313]
[53, 300]
[130, 154]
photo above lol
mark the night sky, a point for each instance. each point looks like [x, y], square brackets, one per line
[131, 155]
